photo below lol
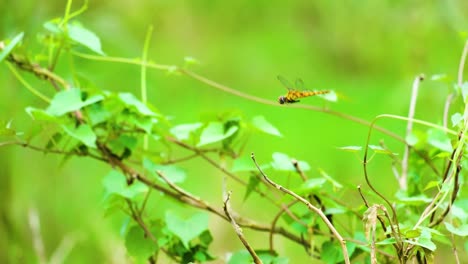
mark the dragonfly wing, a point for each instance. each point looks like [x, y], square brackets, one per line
[285, 82]
[300, 84]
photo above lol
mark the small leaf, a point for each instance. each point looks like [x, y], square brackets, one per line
[240, 257]
[131, 101]
[283, 162]
[254, 180]
[40, 115]
[214, 132]
[310, 186]
[68, 101]
[9, 48]
[83, 133]
[171, 172]
[245, 163]
[350, 148]
[138, 244]
[85, 37]
[413, 200]
[187, 229]
[182, 132]
[439, 77]
[461, 230]
[412, 139]
[431, 185]
[331, 253]
[439, 139]
[380, 150]
[464, 90]
[456, 118]
[329, 178]
[114, 183]
[122, 144]
[263, 125]
[412, 233]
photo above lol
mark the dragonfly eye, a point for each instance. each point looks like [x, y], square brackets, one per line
[281, 99]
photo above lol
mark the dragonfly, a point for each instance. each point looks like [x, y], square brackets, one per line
[297, 92]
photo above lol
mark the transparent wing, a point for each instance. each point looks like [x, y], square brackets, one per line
[300, 84]
[285, 82]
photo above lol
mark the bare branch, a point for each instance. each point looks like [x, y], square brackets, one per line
[311, 207]
[403, 181]
[238, 230]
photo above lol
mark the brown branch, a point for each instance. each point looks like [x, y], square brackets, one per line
[238, 230]
[222, 169]
[311, 207]
[403, 180]
[185, 197]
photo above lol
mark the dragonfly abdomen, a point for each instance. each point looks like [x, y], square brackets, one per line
[312, 93]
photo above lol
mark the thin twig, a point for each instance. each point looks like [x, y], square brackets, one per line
[238, 230]
[403, 181]
[276, 218]
[221, 168]
[194, 201]
[311, 207]
[233, 91]
[35, 226]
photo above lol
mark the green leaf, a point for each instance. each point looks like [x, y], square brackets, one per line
[240, 257]
[182, 132]
[413, 200]
[456, 118]
[85, 37]
[330, 179]
[431, 185]
[331, 252]
[245, 163]
[412, 139]
[8, 48]
[6, 130]
[439, 139]
[122, 145]
[40, 115]
[68, 101]
[97, 114]
[187, 229]
[310, 186]
[439, 77]
[114, 183]
[283, 162]
[138, 244]
[461, 230]
[83, 133]
[263, 125]
[424, 240]
[380, 150]
[254, 180]
[412, 233]
[351, 148]
[214, 132]
[464, 91]
[131, 101]
[268, 258]
[171, 172]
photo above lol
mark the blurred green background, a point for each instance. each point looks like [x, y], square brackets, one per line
[369, 51]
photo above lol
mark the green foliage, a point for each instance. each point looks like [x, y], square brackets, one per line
[115, 128]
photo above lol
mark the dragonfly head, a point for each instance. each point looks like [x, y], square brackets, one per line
[282, 99]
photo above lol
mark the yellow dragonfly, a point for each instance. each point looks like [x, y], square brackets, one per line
[297, 92]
